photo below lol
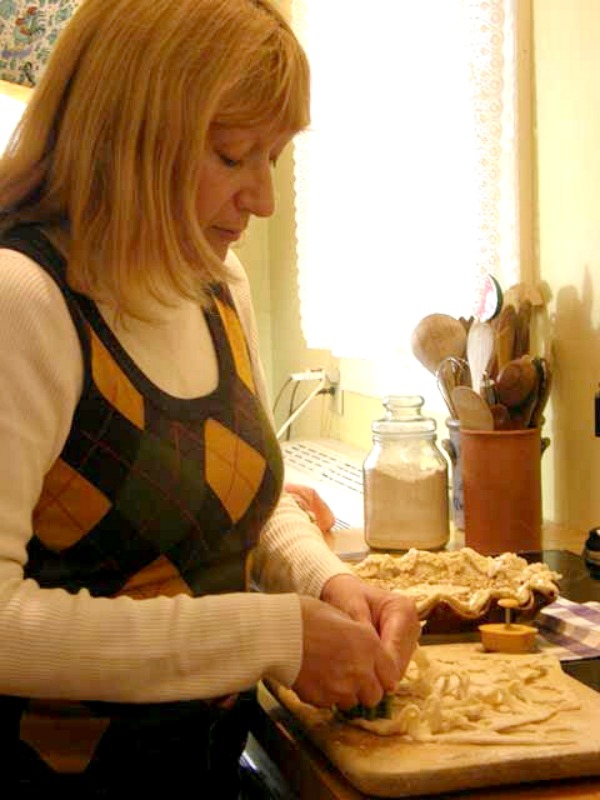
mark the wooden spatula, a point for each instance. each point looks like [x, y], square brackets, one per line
[472, 410]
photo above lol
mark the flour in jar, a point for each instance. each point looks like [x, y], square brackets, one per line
[406, 506]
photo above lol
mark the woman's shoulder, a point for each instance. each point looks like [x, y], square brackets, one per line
[29, 294]
[21, 275]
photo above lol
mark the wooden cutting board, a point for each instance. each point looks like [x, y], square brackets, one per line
[394, 767]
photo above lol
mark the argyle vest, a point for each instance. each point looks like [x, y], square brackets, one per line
[152, 494]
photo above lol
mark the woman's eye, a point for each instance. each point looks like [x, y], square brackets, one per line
[229, 162]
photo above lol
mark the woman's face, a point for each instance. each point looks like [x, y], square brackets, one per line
[236, 181]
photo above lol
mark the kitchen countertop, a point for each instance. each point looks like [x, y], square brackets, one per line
[311, 776]
[350, 543]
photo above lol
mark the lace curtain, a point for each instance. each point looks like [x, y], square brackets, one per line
[406, 182]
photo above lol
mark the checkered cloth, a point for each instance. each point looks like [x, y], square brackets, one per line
[569, 630]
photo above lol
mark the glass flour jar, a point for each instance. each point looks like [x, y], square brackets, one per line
[405, 480]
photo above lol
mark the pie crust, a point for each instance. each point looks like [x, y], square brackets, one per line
[459, 589]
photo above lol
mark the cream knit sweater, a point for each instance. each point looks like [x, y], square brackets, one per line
[56, 644]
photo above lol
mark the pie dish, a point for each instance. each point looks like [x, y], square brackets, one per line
[459, 589]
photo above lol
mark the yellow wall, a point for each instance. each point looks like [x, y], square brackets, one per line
[566, 59]
[565, 167]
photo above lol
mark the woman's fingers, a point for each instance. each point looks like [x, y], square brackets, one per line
[341, 658]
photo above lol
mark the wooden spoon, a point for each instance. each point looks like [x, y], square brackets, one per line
[505, 327]
[501, 417]
[516, 381]
[436, 337]
[480, 351]
[472, 411]
[522, 333]
[521, 416]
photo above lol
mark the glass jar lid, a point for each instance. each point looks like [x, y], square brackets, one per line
[403, 417]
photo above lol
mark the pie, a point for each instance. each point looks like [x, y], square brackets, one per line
[461, 586]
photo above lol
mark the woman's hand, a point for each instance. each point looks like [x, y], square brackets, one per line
[344, 661]
[357, 643]
[393, 616]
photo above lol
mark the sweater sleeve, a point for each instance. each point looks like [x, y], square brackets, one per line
[62, 645]
[292, 556]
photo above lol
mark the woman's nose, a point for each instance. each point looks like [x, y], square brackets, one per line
[258, 196]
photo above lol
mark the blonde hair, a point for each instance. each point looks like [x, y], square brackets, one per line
[108, 152]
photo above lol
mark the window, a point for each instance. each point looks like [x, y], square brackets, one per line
[12, 106]
[406, 182]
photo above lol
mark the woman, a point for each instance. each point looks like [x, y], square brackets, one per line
[140, 478]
